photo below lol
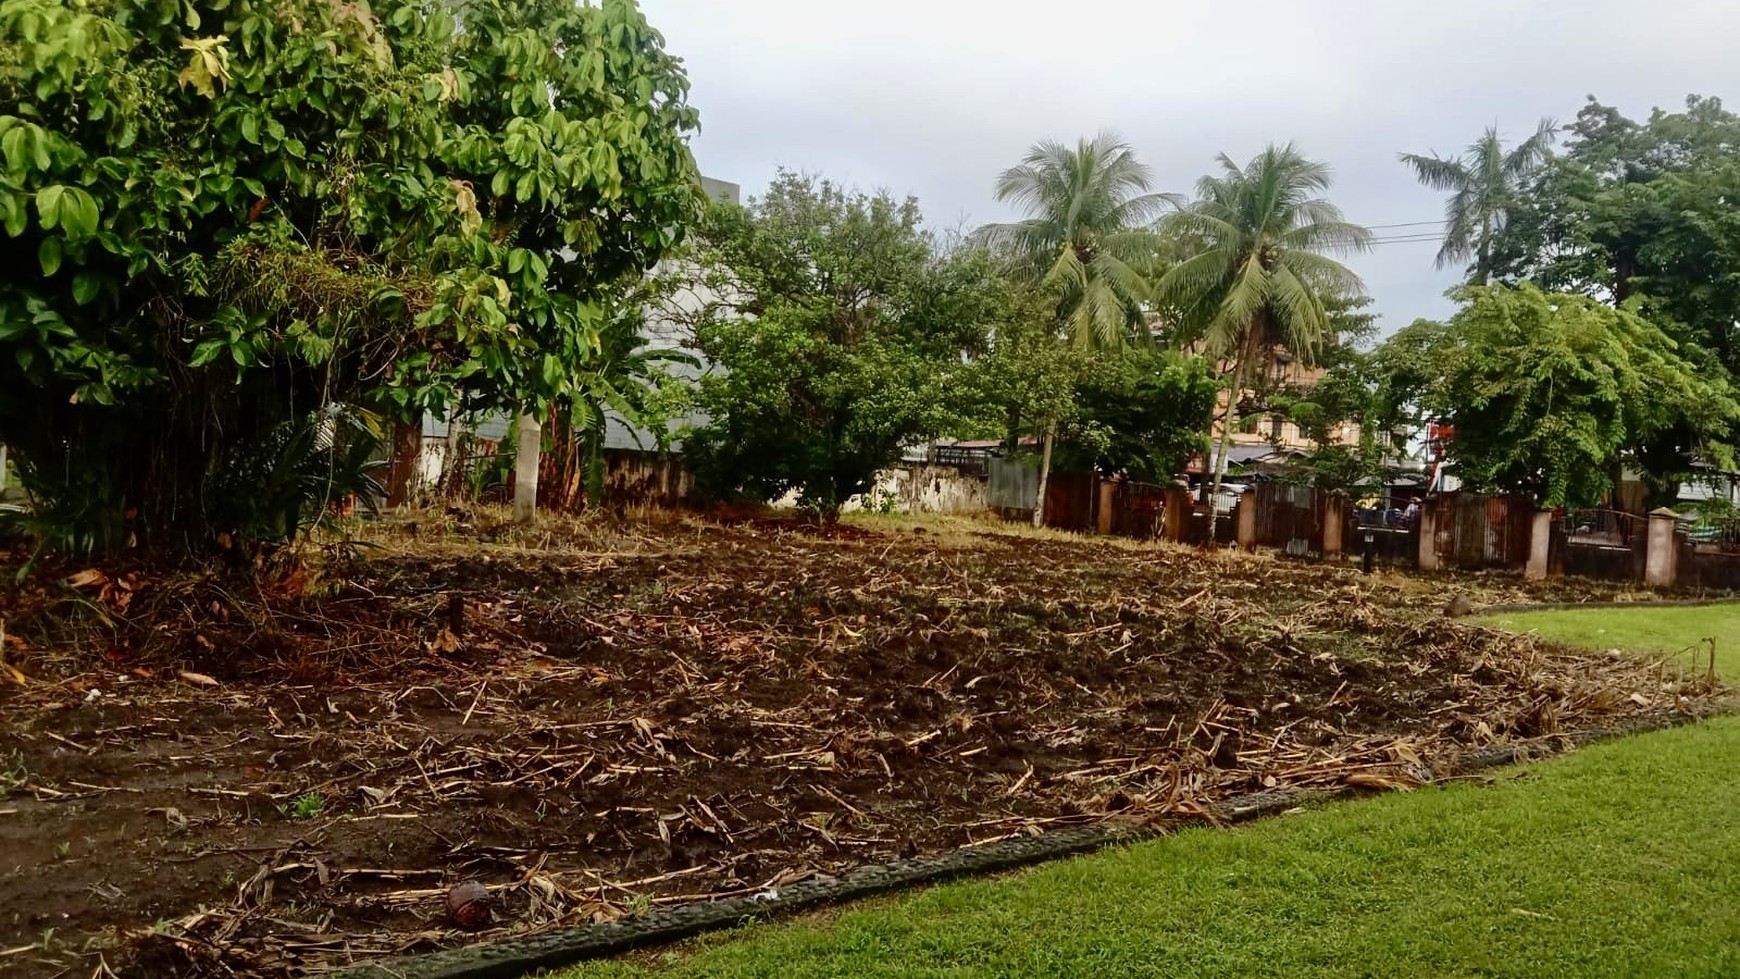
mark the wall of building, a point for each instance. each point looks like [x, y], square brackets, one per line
[915, 488]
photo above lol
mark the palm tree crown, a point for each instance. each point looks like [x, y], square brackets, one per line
[1256, 272]
[1482, 183]
[1256, 275]
[1087, 232]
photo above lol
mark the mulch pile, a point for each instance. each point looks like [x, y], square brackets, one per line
[280, 778]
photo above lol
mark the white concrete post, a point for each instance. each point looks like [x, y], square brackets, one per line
[526, 453]
[1540, 544]
[1429, 536]
[1247, 519]
[1661, 561]
[1334, 524]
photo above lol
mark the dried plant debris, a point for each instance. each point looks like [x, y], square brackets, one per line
[449, 743]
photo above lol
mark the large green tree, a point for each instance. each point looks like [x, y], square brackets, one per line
[244, 211]
[1255, 271]
[1551, 394]
[1484, 184]
[1634, 208]
[837, 336]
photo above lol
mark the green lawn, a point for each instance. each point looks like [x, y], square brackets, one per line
[1618, 860]
[1663, 629]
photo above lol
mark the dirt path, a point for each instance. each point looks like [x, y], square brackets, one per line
[593, 735]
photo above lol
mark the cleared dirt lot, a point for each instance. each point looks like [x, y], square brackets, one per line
[199, 777]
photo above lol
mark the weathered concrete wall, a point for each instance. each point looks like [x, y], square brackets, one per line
[924, 489]
[916, 489]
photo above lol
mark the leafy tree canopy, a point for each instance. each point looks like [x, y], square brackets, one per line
[1641, 208]
[1141, 413]
[837, 335]
[1550, 394]
[1256, 268]
[243, 210]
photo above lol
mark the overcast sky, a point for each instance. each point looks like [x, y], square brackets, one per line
[934, 97]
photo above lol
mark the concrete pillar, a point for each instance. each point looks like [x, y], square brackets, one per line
[1429, 535]
[1108, 489]
[1177, 515]
[1661, 561]
[1334, 524]
[1246, 515]
[526, 451]
[1540, 546]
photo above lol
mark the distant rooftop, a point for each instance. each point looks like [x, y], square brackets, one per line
[722, 190]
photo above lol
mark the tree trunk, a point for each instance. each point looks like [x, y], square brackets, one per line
[1044, 474]
[451, 479]
[1226, 428]
[526, 453]
[1483, 259]
[407, 453]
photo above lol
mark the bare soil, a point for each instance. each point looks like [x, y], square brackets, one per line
[202, 777]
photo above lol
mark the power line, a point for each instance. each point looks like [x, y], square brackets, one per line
[1404, 224]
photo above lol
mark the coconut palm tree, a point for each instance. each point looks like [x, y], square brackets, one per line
[1087, 233]
[1482, 183]
[1255, 274]
[1088, 237]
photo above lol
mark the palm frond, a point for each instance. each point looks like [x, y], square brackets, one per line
[1531, 153]
[1333, 236]
[1300, 323]
[1437, 172]
[1322, 273]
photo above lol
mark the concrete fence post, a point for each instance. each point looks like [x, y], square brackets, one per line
[1540, 546]
[1107, 500]
[526, 452]
[1246, 513]
[1661, 560]
[1428, 559]
[1334, 524]
[1177, 513]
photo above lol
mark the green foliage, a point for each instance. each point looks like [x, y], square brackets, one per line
[628, 377]
[243, 210]
[1641, 208]
[1025, 376]
[296, 473]
[1549, 394]
[1141, 413]
[1087, 236]
[837, 337]
[1256, 274]
[308, 805]
[1336, 467]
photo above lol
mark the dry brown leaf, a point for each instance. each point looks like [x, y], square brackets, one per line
[1378, 780]
[87, 578]
[197, 679]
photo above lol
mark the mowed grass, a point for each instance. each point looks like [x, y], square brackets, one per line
[1619, 860]
[1661, 629]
